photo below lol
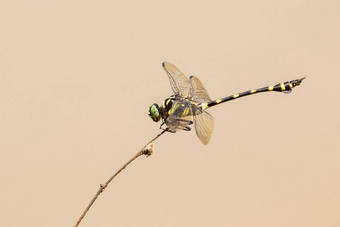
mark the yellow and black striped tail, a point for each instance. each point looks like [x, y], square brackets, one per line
[285, 87]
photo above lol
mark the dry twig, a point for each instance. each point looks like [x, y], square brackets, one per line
[146, 150]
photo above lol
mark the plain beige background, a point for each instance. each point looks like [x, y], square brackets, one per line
[76, 81]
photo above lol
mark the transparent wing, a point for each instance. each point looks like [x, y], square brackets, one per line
[197, 92]
[180, 84]
[180, 115]
[204, 125]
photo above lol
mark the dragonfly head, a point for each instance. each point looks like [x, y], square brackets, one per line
[154, 112]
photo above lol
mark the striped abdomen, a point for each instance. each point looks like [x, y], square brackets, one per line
[285, 87]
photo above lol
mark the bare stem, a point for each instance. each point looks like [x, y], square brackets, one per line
[146, 150]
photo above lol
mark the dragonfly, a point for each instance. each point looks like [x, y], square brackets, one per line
[188, 105]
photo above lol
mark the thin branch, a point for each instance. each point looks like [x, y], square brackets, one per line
[146, 150]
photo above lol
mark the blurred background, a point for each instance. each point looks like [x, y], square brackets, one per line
[77, 79]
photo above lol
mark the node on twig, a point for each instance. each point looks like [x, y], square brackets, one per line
[148, 149]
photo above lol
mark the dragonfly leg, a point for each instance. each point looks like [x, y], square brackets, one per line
[186, 128]
[184, 124]
[166, 129]
[170, 130]
[187, 122]
[162, 125]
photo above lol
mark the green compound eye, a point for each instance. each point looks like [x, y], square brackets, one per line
[154, 112]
